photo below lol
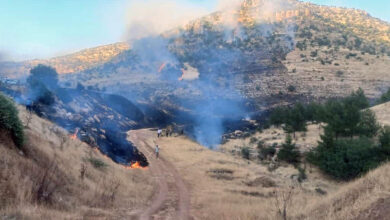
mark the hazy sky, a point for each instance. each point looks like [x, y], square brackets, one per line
[45, 28]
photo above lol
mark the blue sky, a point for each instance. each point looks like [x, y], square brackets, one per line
[45, 28]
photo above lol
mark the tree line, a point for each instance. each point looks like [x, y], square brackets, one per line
[353, 141]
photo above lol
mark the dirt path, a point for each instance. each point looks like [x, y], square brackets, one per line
[172, 200]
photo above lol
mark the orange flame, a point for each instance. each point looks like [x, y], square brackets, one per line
[162, 67]
[135, 165]
[74, 136]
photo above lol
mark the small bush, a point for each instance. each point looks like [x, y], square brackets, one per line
[9, 120]
[289, 152]
[291, 88]
[384, 98]
[384, 140]
[97, 163]
[253, 140]
[339, 73]
[267, 151]
[302, 174]
[245, 152]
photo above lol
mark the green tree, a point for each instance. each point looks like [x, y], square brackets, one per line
[385, 97]
[289, 152]
[10, 122]
[368, 125]
[358, 99]
[348, 158]
[45, 75]
[296, 119]
[42, 82]
[384, 139]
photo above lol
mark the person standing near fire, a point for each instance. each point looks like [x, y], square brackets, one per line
[157, 150]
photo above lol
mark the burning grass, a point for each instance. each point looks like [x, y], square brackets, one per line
[53, 180]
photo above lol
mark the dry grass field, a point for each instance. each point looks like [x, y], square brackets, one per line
[44, 182]
[226, 186]
[223, 185]
[60, 178]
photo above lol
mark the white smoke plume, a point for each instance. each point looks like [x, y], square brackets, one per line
[147, 18]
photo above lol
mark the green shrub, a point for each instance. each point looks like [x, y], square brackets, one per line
[289, 152]
[291, 88]
[384, 98]
[302, 174]
[368, 125]
[266, 151]
[9, 120]
[339, 73]
[253, 140]
[245, 152]
[384, 139]
[42, 82]
[346, 159]
[97, 163]
[45, 75]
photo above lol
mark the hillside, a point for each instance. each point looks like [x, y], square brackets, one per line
[56, 177]
[71, 63]
[223, 185]
[298, 51]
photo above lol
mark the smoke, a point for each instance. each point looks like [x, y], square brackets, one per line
[152, 17]
[212, 49]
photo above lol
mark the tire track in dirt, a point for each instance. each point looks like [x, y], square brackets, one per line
[172, 200]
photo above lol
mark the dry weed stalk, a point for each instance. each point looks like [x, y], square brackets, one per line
[83, 170]
[47, 183]
[283, 200]
[28, 119]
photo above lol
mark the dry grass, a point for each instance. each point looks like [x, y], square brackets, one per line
[46, 181]
[225, 186]
[382, 113]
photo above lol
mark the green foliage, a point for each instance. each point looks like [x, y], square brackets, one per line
[296, 119]
[9, 120]
[253, 140]
[368, 125]
[344, 116]
[43, 80]
[291, 88]
[97, 163]
[384, 140]
[289, 152]
[245, 152]
[339, 73]
[264, 151]
[302, 174]
[385, 97]
[45, 75]
[346, 159]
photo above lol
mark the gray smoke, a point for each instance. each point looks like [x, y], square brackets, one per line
[213, 51]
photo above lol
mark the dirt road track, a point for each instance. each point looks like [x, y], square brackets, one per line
[171, 200]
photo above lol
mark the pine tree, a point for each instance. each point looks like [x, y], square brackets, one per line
[289, 152]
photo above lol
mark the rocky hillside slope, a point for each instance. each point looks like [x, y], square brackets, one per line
[71, 63]
[296, 51]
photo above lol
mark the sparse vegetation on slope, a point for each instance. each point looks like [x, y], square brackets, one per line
[53, 179]
[10, 123]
